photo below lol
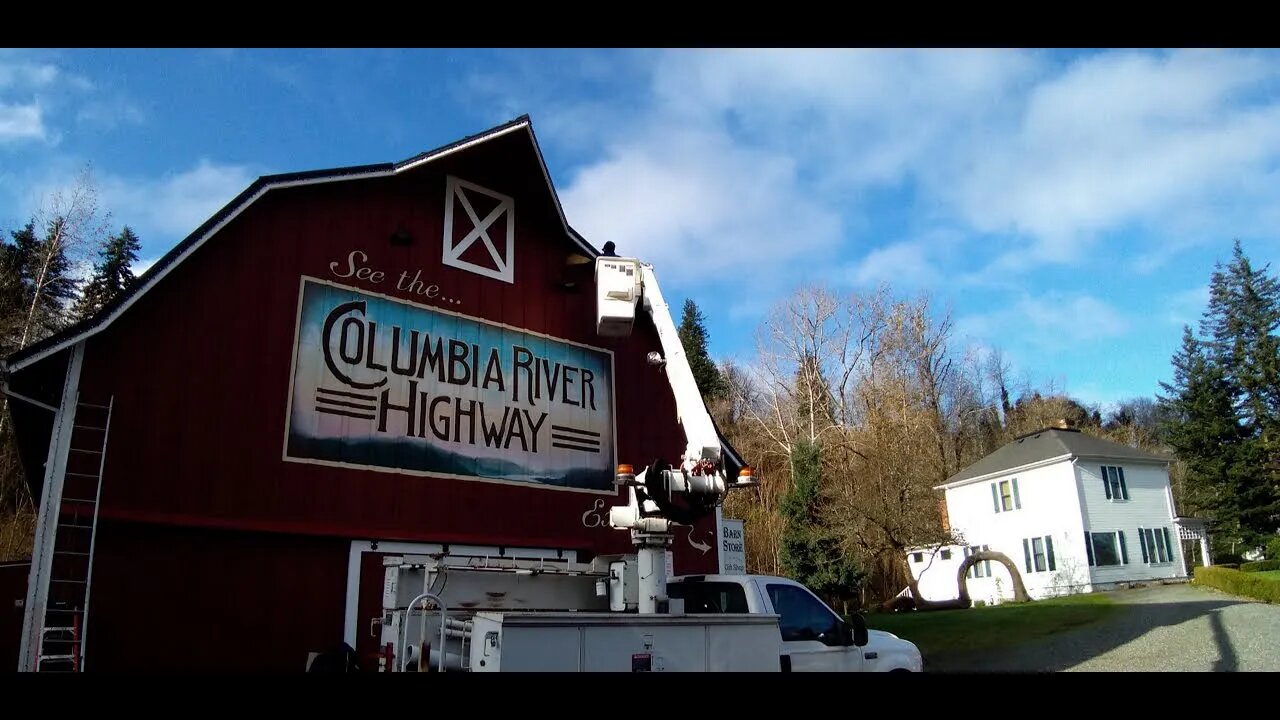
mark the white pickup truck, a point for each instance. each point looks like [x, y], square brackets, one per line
[814, 637]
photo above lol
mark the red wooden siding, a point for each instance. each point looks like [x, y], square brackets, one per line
[179, 599]
[200, 370]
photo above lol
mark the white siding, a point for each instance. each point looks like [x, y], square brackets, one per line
[1149, 506]
[1050, 506]
[936, 577]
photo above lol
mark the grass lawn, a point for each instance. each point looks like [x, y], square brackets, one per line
[1272, 575]
[986, 628]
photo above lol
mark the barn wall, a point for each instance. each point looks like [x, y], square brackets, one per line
[200, 369]
[180, 599]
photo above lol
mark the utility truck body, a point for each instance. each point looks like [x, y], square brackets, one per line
[545, 611]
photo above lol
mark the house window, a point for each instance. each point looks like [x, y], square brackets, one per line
[1037, 554]
[1004, 496]
[1106, 548]
[946, 554]
[981, 568]
[1156, 545]
[1113, 483]
[917, 558]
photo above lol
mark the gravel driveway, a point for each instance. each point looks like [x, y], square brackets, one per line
[1164, 627]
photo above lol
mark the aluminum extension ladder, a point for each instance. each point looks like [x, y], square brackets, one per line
[66, 619]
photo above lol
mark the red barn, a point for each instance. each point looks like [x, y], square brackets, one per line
[336, 365]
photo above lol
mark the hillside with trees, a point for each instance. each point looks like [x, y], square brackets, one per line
[855, 405]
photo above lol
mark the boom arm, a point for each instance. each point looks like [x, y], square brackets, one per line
[621, 285]
[699, 431]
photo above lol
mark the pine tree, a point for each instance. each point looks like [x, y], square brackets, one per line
[1244, 311]
[48, 283]
[15, 285]
[693, 336]
[111, 274]
[1224, 406]
[1200, 422]
[811, 552]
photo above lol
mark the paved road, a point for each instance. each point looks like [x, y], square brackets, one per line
[1160, 628]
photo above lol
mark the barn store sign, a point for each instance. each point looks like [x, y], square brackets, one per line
[384, 384]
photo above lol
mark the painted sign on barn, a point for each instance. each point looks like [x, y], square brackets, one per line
[382, 384]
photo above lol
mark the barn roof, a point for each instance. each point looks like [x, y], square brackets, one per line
[101, 320]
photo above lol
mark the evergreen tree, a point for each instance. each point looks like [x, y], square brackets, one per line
[1223, 409]
[1244, 311]
[38, 285]
[811, 552]
[1199, 421]
[111, 274]
[693, 336]
[15, 285]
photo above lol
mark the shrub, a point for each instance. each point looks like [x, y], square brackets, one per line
[1260, 566]
[1273, 548]
[1239, 583]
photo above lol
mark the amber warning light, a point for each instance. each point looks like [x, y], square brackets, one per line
[626, 474]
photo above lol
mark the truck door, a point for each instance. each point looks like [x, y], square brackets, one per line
[812, 634]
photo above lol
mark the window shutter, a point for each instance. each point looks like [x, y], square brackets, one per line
[1142, 543]
[1026, 553]
[1106, 484]
[995, 497]
[1168, 546]
[1048, 544]
[1124, 552]
[1017, 502]
[1088, 547]
[1124, 489]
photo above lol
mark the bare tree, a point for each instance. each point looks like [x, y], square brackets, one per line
[74, 226]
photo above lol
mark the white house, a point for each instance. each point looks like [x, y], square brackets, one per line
[1076, 513]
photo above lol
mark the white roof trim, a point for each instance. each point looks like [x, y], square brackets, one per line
[1006, 471]
[151, 281]
[451, 150]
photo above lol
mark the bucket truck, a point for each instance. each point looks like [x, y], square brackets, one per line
[471, 610]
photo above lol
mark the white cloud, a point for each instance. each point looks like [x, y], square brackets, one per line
[1121, 139]
[21, 122]
[1186, 307]
[1038, 158]
[111, 113]
[140, 267]
[696, 204]
[901, 264]
[1048, 322]
[174, 206]
[27, 75]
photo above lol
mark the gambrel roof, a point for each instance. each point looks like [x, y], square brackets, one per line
[89, 327]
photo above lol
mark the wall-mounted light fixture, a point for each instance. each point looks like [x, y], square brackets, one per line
[401, 237]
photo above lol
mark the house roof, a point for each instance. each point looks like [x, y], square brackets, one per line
[1048, 444]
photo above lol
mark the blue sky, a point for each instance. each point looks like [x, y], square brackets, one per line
[1064, 207]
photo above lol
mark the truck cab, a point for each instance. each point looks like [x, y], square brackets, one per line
[814, 637]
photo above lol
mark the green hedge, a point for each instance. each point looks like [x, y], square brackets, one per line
[1261, 566]
[1239, 583]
